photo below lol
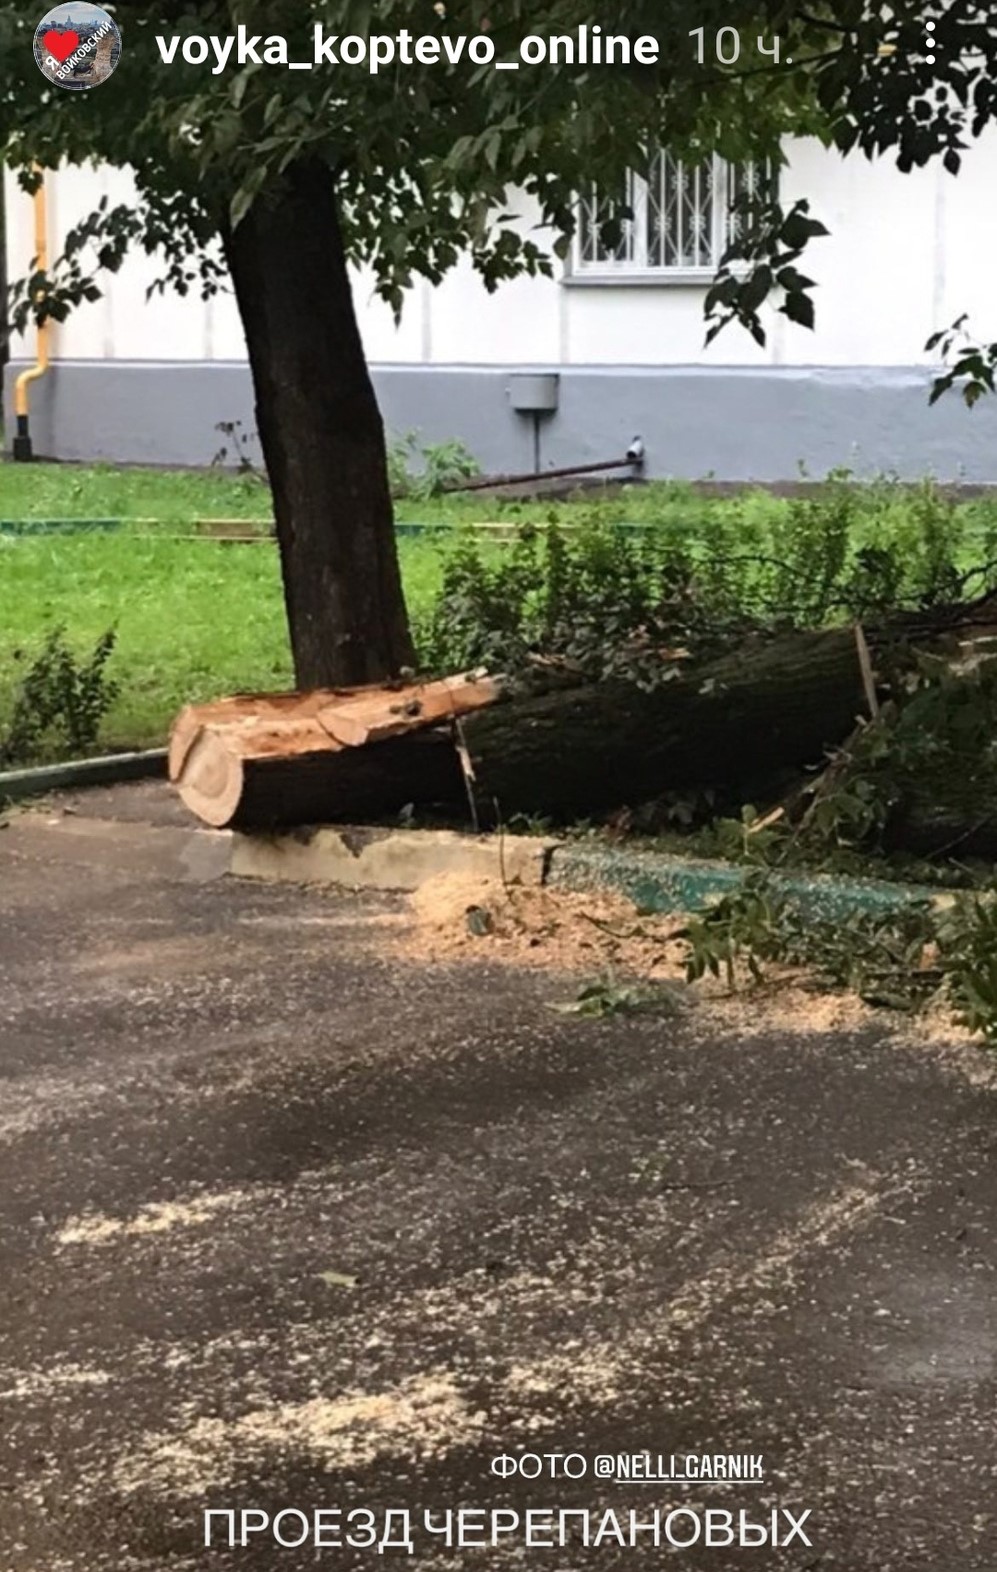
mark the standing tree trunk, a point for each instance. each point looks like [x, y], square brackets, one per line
[321, 434]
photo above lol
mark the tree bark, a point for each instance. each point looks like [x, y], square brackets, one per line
[328, 788]
[731, 721]
[322, 436]
[767, 707]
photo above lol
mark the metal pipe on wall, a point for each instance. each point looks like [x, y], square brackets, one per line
[22, 449]
[634, 462]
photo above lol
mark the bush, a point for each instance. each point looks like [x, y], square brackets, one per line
[612, 600]
[60, 703]
[905, 959]
[438, 467]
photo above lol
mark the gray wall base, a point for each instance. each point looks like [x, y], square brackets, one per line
[730, 423]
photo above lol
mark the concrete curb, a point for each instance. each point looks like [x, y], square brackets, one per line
[384, 859]
[109, 770]
[659, 882]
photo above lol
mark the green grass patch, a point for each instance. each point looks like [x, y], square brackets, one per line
[102, 491]
[194, 618]
[191, 619]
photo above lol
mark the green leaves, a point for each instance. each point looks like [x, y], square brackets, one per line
[760, 258]
[798, 228]
[61, 701]
[974, 367]
[450, 140]
[899, 959]
[798, 307]
[747, 927]
[607, 997]
[240, 205]
[99, 243]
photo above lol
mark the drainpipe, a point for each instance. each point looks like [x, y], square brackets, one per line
[22, 439]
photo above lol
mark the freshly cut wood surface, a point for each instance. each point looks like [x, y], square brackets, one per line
[241, 711]
[373, 715]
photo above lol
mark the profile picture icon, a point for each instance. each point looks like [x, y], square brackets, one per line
[77, 45]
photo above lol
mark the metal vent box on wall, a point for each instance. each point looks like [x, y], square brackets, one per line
[533, 392]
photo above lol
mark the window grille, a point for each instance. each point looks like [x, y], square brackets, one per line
[682, 220]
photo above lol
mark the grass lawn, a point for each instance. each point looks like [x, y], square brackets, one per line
[101, 491]
[195, 617]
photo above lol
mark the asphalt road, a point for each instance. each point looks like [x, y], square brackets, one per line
[291, 1222]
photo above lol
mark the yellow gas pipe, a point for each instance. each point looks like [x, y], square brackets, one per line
[22, 438]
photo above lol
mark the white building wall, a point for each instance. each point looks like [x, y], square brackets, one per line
[149, 379]
[906, 254]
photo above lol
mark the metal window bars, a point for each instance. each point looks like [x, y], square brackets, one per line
[677, 218]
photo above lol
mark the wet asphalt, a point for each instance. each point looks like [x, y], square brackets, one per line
[290, 1219]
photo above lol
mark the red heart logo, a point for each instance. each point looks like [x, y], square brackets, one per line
[61, 45]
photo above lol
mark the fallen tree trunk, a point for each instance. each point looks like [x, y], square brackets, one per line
[278, 760]
[772, 706]
[945, 803]
[780, 704]
[328, 787]
[951, 825]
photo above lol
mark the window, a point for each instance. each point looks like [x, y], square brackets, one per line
[682, 220]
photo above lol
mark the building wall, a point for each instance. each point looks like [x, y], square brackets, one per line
[148, 380]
